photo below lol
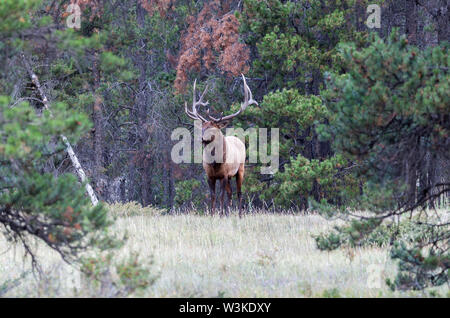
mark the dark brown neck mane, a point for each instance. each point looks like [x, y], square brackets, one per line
[217, 165]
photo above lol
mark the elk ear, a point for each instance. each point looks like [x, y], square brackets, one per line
[223, 124]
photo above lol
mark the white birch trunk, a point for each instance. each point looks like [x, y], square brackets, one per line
[79, 170]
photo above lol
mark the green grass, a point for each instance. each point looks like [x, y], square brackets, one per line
[260, 255]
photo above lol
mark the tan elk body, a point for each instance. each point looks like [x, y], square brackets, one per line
[223, 156]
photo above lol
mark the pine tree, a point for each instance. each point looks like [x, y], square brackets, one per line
[390, 115]
[34, 200]
[293, 44]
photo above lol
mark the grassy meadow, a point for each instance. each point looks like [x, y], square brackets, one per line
[260, 255]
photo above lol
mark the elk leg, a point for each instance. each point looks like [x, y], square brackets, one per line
[222, 195]
[239, 180]
[212, 191]
[229, 194]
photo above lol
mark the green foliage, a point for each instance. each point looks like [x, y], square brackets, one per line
[419, 269]
[368, 232]
[295, 115]
[300, 175]
[375, 232]
[295, 39]
[107, 277]
[390, 92]
[295, 42]
[55, 209]
[133, 274]
[188, 192]
[288, 106]
[331, 293]
[329, 241]
[74, 66]
[26, 135]
[15, 15]
[289, 110]
[110, 63]
[392, 101]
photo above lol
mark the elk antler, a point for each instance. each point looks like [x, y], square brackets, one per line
[248, 101]
[194, 114]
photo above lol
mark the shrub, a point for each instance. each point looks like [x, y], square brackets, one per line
[132, 208]
[106, 277]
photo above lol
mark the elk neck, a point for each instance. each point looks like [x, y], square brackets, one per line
[222, 140]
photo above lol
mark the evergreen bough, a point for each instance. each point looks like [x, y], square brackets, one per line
[390, 113]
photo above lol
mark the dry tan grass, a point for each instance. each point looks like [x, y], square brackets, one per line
[261, 255]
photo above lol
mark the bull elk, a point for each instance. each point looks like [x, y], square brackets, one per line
[232, 159]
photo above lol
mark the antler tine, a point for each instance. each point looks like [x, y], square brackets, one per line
[200, 102]
[246, 89]
[194, 98]
[194, 113]
[188, 112]
[213, 118]
[247, 93]
[248, 100]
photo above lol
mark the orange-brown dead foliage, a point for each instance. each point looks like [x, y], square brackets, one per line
[211, 44]
[151, 6]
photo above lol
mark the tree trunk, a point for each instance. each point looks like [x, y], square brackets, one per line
[442, 20]
[146, 164]
[97, 118]
[411, 21]
[80, 171]
[75, 162]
